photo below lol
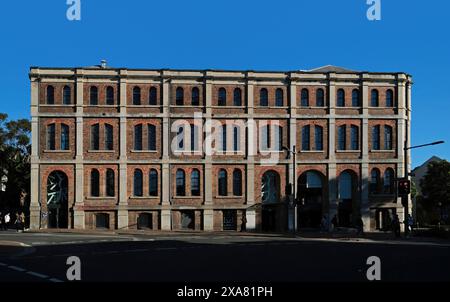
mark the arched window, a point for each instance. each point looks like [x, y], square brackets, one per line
[236, 138]
[65, 143]
[355, 98]
[151, 139]
[345, 186]
[237, 100]
[195, 97]
[304, 97]
[265, 138]
[51, 137]
[374, 181]
[320, 98]
[194, 138]
[195, 183]
[340, 98]
[110, 180]
[95, 137]
[138, 137]
[223, 187]
[237, 182]
[222, 97]
[223, 144]
[138, 183]
[50, 95]
[354, 136]
[93, 95]
[389, 98]
[181, 183]
[388, 184]
[180, 138]
[318, 138]
[95, 183]
[109, 137]
[67, 95]
[279, 98]
[387, 137]
[374, 98]
[180, 96]
[306, 141]
[376, 138]
[153, 183]
[278, 143]
[263, 98]
[109, 96]
[342, 137]
[136, 96]
[153, 96]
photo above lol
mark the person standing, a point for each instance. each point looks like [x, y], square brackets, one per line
[396, 226]
[6, 220]
[244, 223]
[360, 226]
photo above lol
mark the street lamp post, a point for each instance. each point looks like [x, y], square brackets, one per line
[406, 176]
[294, 203]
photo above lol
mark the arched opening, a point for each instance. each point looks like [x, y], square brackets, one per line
[145, 221]
[311, 196]
[270, 190]
[347, 195]
[57, 200]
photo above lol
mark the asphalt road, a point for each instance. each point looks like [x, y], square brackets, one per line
[216, 257]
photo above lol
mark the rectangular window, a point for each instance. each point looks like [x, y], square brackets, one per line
[51, 137]
[109, 137]
[95, 140]
[194, 138]
[355, 138]
[342, 137]
[151, 137]
[65, 137]
[387, 138]
[138, 137]
[376, 138]
[319, 138]
[306, 145]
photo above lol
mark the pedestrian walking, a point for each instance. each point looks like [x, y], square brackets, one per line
[244, 223]
[360, 226]
[6, 220]
[334, 222]
[396, 226]
[324, 223]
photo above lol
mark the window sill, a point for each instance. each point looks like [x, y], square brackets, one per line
[382, 108]
[348, 107]
[228, 197]
[348, 151]
[271, 107]
[219, 153]
[101, 151]
[144, 197]
[101, 198]
[187, 152]
[143, 151]
[187, 197]
[57, 151]
[227, 107]
[200, 106]
[144, 106]
[382, 151]
[311, 151]
[57, 105]
[311, 107]
[100, 106]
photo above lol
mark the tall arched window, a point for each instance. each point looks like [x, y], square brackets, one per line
[179, 98]
[342, 137]
[67, 95]
[110, 183]
[354, 136]
[279, 98]
[237, 99]
[306, 141]
[340, 98]
[153, 183]
[109, 137]
[95, 137]
[320, 98]
[376, 138]
[388, 184]
[151, 139]
[181, 183]
[138, 137]
[223, 144]
[236, 138]
[51, 137]
[318, 138]
[136, 95]
[93, 95]
[109, 96]
[355, 98]
[195, 97]
[223, 187]
[389, 98]
[180, 138]
[263, 98]
[278, 138]
[345, 186]
[195, 183]
[387, 137]
[222, 97]
[95, 183]
[374, 98]
[50, 95]
[194, 138]
[374, 181]
[237, 182]
[265, 138]
[153, 96]
[304, 98]
[65, 142]
[138, 183]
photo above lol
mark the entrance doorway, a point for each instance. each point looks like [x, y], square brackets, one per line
[57, 200]
[270, 188]
[310, 196]
[229, 220]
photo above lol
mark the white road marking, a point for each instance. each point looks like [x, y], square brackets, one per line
[55, 280]
[19, 269]
[31, 273]
[38, 275]
[3, 264]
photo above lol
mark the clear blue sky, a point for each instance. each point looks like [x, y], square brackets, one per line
[235, 34]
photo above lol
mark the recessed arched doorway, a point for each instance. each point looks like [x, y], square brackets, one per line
[311, 195]
[57, 200]
[347, 194]
[270, 189]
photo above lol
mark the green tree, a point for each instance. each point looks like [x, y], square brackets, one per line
[436, 185]
[15, 162]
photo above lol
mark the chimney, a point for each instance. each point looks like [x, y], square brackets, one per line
[104, 64]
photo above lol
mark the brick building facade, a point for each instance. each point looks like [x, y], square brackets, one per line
[202, 149]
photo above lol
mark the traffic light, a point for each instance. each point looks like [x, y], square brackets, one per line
[404, 187]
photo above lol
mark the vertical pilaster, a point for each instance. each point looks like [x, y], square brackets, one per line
[251, 151]
[35, 208]
[365, 173]
[166, 217]
[332, 177]
[208, 213]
